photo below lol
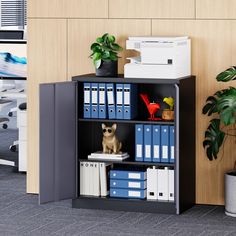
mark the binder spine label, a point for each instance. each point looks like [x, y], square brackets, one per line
[134, 176]
[156, 151]
[134, 185]
[134, 194]
[147, 151]
[139, 152]
[165, 152]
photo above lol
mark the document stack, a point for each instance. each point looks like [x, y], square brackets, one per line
[112, 101]
[155, 143]
[108, 157]
[128, 184]
[94, 178]
[160, 184]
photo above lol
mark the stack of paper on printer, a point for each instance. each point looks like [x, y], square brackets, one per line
[108, 157]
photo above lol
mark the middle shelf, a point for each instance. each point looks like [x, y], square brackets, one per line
[131, 162]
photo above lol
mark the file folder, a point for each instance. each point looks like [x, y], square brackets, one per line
[147, 143]
[94, 100]
[152, 175]
[133, 184]
[87, 100]
[163, 184]
[127, 175]
[171, 185]
[139, 142]
[156, 139]
[119, 101]
[96, 179]
[165, 143]
[102, 114]
[128, 193]
[111, 101]
[130, 101]
[172, 144]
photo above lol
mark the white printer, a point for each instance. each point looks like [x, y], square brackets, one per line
[160, 57]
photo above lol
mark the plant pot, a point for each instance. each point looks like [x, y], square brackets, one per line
[168, 115]
[230, 193]
[108, 69]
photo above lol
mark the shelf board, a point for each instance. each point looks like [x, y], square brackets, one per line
[131, 162]
[157, 122]
[121, 79]
[123, 204]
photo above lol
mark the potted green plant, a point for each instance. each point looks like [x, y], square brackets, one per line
[222, 104]
[105, 55]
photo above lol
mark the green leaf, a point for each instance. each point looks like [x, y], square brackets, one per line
[97, 59]
[97, 63]
[214, 138]
[111, 38]
[94, 46]
[116, 47]
[227, 75]
[227, 106]
[100, 40]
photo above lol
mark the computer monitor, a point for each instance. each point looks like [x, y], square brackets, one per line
[13, 63]
[12, 34]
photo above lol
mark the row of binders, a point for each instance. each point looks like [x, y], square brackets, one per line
[155, 143]
[108, 100]
[153, 184]
[94, 178]
[98, 179]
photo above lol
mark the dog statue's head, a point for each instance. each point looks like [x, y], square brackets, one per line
[109, 131]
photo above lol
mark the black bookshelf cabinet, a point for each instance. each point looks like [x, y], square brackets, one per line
[66, 138]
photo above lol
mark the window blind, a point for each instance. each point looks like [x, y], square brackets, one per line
[13, 13]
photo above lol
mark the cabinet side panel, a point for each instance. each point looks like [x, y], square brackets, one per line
[65, 140]
[46, 149]
[187, 139]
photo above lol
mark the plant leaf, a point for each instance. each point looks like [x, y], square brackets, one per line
[111, 38]
[214, 138]
[226, 106]
[116, 47]
[100, 40]
[227, 75]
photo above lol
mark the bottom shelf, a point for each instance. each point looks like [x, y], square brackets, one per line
[120, 204]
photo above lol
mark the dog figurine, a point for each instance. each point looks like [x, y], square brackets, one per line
[110, 143]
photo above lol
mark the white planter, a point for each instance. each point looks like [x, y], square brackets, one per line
[230, 193]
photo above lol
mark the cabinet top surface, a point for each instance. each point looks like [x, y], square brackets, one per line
[121, 79]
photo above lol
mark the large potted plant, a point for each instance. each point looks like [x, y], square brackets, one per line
[222, 104]
[105, 55]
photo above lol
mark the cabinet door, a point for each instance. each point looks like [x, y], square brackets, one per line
[57, 165]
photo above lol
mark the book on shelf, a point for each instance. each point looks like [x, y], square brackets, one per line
[108, 157]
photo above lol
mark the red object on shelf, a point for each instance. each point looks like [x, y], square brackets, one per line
[152, 107]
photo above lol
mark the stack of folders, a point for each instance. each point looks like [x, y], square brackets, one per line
[155, 143]
[94, 178]
[160, 184]
[128, 184]
[108, 157]
[112, 101]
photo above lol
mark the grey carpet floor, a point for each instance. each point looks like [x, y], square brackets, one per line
[20, 214]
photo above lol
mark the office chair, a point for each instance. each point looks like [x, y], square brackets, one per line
[4, 120]
[13, 148]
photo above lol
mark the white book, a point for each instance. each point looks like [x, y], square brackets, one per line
[81, 171]
[96, 179]
[86, 178]
[104, 158]
[90, 182]
[163, 184]
[152, 175]
[171, 185]
[104, 183]
[100, 153]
